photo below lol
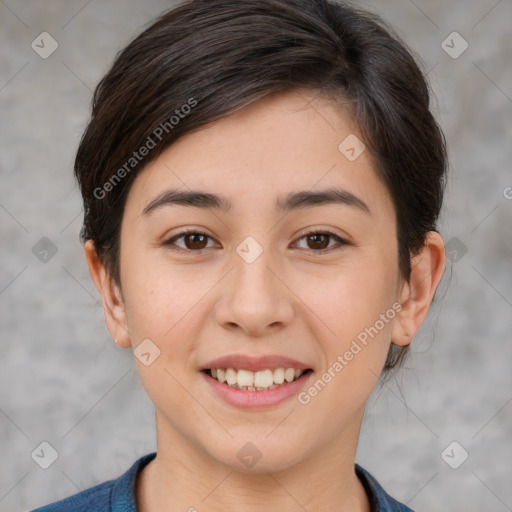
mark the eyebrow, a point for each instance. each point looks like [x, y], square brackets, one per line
[293, 201]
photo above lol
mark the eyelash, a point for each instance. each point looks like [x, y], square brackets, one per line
[170, 241]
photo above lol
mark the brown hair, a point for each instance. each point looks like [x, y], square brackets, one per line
[205, 59]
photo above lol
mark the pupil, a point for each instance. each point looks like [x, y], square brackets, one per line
[194, 241]
[323, 236]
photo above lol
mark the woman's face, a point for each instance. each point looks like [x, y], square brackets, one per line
[251, 291]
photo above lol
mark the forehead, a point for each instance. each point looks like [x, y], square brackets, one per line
[258, 155]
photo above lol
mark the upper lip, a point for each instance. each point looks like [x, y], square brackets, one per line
[255, 363]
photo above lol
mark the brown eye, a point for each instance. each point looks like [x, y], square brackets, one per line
[194, 241]
[318, 241]
[197, 241]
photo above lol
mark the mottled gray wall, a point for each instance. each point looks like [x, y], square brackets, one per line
[63, 380]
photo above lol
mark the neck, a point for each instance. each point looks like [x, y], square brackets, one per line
[183, 478]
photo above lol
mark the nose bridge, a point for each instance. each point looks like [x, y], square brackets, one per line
[256, 299]
[253, 277]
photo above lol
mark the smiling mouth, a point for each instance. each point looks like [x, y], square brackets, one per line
[256, 381]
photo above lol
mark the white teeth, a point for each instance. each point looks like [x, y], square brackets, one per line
[231, 376]
[263, 379]
[255, 381]
[279, 375]
[245, 378]
[289, 374]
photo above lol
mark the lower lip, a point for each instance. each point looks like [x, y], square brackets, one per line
[246, 399]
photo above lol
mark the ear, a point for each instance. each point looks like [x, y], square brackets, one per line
[427, 269]
[113, 302]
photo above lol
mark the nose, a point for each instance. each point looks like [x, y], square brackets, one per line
[255, 298]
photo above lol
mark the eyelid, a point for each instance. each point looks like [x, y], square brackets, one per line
[196, 231]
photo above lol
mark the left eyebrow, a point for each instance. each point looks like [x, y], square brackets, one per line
[293, 201]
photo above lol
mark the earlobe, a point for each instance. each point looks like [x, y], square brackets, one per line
[416, 296]
[113, 303]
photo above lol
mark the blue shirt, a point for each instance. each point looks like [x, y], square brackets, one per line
[119, 495]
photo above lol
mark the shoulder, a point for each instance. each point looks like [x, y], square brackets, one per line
[117, 495]
[94, 499]
[380, 500]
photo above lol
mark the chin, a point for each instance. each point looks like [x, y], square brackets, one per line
[260, 456]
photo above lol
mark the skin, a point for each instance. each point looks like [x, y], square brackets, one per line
[290, 301]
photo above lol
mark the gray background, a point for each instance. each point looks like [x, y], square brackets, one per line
[63, 380]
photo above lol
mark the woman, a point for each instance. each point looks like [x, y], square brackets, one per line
[261, 185]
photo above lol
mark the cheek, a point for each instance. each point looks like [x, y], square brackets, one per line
[157, 294]
[161, 305]
[165, 307]
[356, 306]
[350, 298]
[357, 309]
